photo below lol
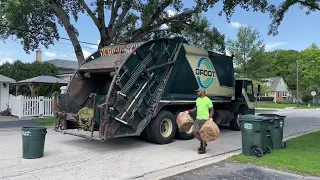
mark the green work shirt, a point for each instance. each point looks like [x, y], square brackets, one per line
[203, 105]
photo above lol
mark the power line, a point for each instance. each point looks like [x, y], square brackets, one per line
[72, 45]
[48, 48]
[45, 34]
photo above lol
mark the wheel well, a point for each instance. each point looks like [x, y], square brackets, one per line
[175, 108]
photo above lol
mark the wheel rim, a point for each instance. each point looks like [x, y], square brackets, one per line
[166, 127]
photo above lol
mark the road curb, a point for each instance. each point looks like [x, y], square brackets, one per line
[185, 167]
[174, 170]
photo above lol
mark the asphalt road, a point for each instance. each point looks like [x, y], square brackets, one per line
[69, 157]
[17, 124]
[235, 171]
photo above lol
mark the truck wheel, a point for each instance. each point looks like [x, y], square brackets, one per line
[145, 135]
[183, 135]
[235, 124]
[162, 128]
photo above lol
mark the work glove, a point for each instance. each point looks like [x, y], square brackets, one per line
[210, 118]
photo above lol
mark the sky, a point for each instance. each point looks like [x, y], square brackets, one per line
[297, 31]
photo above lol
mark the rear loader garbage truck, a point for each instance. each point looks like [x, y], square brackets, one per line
[138, 89]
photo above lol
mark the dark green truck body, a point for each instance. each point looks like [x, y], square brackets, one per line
[128, 88]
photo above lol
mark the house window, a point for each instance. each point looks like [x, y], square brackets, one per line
[278, 94]
[284, 94]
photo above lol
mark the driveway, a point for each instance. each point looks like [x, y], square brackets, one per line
[69, 157]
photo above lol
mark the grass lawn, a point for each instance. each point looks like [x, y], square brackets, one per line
[264, 111]
[45, 121]
[301, 156]
[281, 106]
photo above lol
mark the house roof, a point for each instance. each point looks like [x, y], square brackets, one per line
[66, 64]
[274, 82]
[6, 79]
[43, 80]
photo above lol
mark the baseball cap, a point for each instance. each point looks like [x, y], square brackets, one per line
[201, 89]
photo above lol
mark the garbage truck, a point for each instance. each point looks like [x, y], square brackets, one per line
[138, 89]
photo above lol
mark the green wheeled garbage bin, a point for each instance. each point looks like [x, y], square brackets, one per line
[275, 131]
[33, 139]
[254, 130]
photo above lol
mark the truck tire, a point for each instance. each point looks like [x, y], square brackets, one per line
[183, 135]
[145, 135]
[235, 125]
[162, 128]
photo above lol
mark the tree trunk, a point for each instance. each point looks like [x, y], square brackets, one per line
[63, 17]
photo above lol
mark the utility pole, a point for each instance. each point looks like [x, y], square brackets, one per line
[298, 70]
[297, 93]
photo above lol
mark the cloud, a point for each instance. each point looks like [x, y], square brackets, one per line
[95, 46]
[171, 13]
[63, 55]
[271, 46]
[237, 25]
[4, 60]
[50, 54]
[163, 26]
[85, 53]
[5, 53]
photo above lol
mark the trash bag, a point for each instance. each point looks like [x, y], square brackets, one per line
[184, 121]
[209, 131]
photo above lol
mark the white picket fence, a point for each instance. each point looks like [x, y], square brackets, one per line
[23, 106]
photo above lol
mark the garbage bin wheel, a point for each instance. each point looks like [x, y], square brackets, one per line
[257, 152]
[268, 150]
[284, 145]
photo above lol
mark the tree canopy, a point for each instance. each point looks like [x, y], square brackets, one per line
[36, 22]
[20, 71]
[277, 14]
[245, 49]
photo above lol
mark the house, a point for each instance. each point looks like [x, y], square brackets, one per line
[4, 91]
[66, 68]
[277, 89]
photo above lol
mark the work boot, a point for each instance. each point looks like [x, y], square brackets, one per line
[202, 150]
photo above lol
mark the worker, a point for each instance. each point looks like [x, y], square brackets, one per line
[203, 105]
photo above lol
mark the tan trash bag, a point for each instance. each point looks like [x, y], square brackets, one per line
[184, 121]
[209, 131]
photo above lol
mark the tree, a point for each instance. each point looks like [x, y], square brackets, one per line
[20, 71]
[247, 46]
[198, 32]
[35, 22]
[263, 87]
[309, 74]
[55, 87]
[277, 14]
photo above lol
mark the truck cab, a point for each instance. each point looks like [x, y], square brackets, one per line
[244, 101]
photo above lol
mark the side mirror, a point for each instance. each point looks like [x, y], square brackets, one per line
[259, 90]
